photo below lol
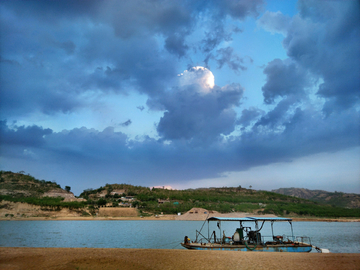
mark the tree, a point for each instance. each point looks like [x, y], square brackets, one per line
[67, 188]
[101, 202]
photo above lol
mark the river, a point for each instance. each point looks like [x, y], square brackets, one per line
[338, 237]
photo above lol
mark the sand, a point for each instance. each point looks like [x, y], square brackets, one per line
[100, 258]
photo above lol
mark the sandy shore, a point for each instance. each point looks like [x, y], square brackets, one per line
[99, 258]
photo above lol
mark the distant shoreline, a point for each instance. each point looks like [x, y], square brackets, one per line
[163, 218]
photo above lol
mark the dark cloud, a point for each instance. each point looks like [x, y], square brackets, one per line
[126, 123]
[214, 37]
[284, 79]
[33, 136]
[193, 115]
[238, 9]
[324, 40]
[68, 50]
[279, 114]
[175, 44]
[248, 116]
[229, 57]
[53, 11]
[94, 155]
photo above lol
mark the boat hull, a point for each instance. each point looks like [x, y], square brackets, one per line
[262, 248]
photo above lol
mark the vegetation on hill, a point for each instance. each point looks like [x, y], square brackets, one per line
[224, 200]
[17, 187]
[20, 184]
[337, 199]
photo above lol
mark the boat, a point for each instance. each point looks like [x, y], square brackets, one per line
[247, 238]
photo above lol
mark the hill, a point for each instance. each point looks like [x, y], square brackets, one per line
[222, 200]
[19, 185]
[24, 196]
[340, 199]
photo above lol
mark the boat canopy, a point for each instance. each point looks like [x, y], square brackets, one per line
[249, 219]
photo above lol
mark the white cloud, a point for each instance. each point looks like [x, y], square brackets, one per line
[198, 75]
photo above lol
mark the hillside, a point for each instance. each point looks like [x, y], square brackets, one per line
[340, 199]
[20, 185]
[24, 196]
[222, 200]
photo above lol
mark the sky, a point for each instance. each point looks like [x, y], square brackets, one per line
[184, 94]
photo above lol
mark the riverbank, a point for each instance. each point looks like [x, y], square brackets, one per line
[171, 217]
[99, 258]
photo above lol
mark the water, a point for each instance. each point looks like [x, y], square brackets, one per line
[339, 237]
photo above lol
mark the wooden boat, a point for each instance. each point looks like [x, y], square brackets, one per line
[247, 239]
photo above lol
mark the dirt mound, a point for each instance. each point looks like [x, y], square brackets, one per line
[117, 212]
[60, 193]
[197, 214]
[202, 214]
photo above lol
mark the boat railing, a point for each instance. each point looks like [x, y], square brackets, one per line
[265, 239]
[197, 240]
[303, 239]
[277, 238]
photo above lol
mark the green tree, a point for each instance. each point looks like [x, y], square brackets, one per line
[67, 188]
[101, 202]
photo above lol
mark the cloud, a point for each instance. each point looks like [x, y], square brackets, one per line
[227, 56]
[122, 46]
[92, 155]
[238, 10]
[248, 116]
[284, 78]
[278, 115]
[200, 76]
[197, 109]
[191, 115]
[274, 22]
[214, 37]
[324, 40]
[23, 136]
[175, 44]
[126, 123]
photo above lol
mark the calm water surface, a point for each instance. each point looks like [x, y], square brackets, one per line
[339, 237]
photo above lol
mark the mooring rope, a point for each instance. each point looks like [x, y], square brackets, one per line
[168, 244]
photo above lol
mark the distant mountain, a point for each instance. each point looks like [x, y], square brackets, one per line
[340, 199]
